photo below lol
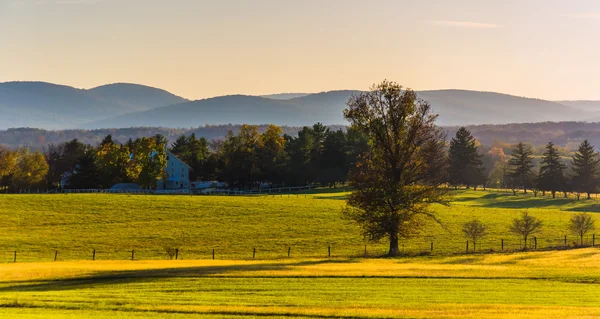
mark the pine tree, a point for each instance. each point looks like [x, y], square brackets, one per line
[466, 165]
[552, 177]
[521, 164]
[586, 169]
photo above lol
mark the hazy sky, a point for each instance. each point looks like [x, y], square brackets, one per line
[193, 48]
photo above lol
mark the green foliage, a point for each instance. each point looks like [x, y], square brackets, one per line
[552, 176]
[521, 165]
[465, 162]
[586, 169]
[396, 181]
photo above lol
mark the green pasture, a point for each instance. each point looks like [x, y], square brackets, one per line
[36, 226]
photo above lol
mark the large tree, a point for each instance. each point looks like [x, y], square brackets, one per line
[521, 164]
[586, 169]
[466, 166]
[402, 174]
[552, 172]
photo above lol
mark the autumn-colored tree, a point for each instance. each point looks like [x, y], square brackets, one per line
[149, 157]
[31, 169]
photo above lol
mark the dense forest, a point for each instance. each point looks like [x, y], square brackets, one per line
[566, 135]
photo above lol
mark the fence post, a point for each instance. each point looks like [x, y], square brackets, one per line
[289, 251]
[55, 255]
[176, 253]
[593, 240]
[565, 241]
[534, 243]
[365, 251]
[94, 255]
[502, 241]
[213, 254]
[329, 251]
[15, 259]
[431, 246]
[467, 247]
[132, 254]
[253, 253]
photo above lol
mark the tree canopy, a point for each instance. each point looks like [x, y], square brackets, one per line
[402, 173]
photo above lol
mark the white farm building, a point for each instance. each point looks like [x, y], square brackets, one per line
[177, 174]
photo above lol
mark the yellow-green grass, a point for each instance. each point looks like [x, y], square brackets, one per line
[38, 225]
[558, 284]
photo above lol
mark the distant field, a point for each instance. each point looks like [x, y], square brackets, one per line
[75, 224]
[561, 284]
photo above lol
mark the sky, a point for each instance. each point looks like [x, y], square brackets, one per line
[548, 49]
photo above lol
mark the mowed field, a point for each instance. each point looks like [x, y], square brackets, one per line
[543, 284]
[36, 226]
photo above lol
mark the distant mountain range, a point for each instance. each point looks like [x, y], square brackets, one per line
[51, 106]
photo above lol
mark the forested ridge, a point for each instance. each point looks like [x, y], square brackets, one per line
[566, 135]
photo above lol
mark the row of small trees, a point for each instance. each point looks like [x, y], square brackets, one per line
[467, 166]
[527, 225]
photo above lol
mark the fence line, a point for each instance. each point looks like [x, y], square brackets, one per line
[407, 249]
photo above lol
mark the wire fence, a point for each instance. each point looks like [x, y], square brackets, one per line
[406, 249]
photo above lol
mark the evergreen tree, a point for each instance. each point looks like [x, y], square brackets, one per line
[521, 164]
[466, 166]
[552, 177]
[586, 169]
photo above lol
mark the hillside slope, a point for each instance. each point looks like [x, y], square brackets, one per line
[455, 107]
[52, 106]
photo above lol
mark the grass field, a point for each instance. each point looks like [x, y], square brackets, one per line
[76, 224]
[544, 284]
[554, 284]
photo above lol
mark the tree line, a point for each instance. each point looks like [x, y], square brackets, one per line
[251, 157]
[579, 174]
[255, 156]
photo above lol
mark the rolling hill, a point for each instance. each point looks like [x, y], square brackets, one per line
[456, 107]
[121, 105]
[52, 106]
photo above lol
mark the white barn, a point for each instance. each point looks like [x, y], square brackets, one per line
[177, 174]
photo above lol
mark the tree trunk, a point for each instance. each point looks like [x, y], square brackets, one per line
[393, 245]
[553, 194]
[589, 196]
[525, 244]
[581, 240]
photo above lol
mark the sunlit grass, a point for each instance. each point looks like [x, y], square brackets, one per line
[38, 225]
[524, 285]
[542, 284]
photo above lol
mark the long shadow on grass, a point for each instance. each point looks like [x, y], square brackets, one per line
[523, 202]
[148, 275]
